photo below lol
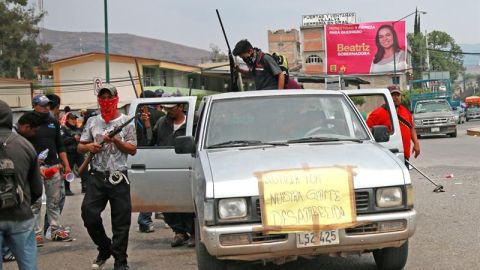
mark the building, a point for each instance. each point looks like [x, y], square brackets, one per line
[16, 92]
[312, 43]
[73, 77]
[286, 43]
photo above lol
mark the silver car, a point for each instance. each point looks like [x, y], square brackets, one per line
[244, 139]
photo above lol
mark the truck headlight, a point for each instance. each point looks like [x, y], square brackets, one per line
[389, 197]
[418, 122]
[452, 120]
[232, 208]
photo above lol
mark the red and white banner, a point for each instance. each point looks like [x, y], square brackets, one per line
[366, 48]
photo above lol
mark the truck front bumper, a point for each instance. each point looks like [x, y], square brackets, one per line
[435, 130]
[220, 240]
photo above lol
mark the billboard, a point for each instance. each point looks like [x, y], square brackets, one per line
[331, 18]
[366, 48]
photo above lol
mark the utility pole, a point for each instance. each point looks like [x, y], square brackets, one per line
[107, 53]
[428, 53]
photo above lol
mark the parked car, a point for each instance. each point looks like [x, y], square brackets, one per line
[460, 115]
[473, 112]
[289, 144]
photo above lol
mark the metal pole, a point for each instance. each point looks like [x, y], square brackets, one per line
[133, 84]
[426, 48]
[107, 54]
[139, 77]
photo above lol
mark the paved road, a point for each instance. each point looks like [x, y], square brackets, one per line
[447, 236]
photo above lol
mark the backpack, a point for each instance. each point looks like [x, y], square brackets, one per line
[282, 63]
[11, 194]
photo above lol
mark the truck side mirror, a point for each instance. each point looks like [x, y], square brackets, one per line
[380, 133]
[184, 145]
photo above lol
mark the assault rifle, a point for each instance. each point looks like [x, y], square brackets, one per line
[236, 83]
[111, 134]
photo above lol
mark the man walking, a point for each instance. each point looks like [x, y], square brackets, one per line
[18, 159]
[109, 180]
[48, 137]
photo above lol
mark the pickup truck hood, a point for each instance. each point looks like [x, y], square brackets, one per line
[233, 169]
[428, 115]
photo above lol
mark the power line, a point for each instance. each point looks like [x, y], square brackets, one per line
[444, 51]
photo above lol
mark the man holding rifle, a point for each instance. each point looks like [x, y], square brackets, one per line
[108, 182]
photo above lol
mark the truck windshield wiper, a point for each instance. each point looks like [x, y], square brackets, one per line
[322, 139]
[245, 143]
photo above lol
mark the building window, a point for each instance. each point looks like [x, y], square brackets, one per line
[314, 59]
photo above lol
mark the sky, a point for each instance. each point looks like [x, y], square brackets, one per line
[194, 22]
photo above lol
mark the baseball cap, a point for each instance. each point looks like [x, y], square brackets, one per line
[71, 116]
[41, 100]
[168, 106]
[394, 89]
[110, 88]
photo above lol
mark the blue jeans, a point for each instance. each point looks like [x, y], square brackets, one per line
[144, 219]
[20, 237]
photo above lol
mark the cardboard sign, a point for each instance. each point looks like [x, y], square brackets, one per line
[307, 199]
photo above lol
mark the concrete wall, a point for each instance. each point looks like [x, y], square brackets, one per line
[287, 43]
[16, 93]
[78, 95]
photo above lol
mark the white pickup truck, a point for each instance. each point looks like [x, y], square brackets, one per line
[221, 172]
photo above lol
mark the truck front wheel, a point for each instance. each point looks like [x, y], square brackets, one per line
[391, 258]
[453, 135]
[206, 261]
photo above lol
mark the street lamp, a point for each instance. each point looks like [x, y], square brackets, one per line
[394, 52]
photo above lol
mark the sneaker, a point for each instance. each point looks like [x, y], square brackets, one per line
[179, 239]
[100, 261]
[69, 193]
[61, 235]
[39, 239]
[191, 241]
[8, 256]
[146, 228]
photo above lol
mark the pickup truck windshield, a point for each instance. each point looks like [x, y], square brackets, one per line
[432, 107]
[282, 119]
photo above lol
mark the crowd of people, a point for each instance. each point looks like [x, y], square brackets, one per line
[52, 142]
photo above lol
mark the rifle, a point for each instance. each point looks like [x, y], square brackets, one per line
[111, 134]
[236, 83]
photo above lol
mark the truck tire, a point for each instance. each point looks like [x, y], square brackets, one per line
[453, 135]
[205, 261]
[391, 258]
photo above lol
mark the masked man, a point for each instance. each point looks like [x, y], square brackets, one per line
[108, 182]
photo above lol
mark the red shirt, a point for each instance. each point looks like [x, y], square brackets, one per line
[381, 116]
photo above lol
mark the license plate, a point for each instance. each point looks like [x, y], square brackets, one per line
[435, 129]
[313, 239]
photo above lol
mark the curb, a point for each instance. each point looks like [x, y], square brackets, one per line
[473, 132]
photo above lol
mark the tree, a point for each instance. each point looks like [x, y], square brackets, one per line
[450, 56]
[19, 48]
[217, 55]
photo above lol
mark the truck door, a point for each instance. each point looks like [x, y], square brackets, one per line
[367, 100]
[159, 178]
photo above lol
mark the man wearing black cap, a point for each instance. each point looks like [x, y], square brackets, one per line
[48, 137]
[381, 116]
[71, 136]
[109, 180]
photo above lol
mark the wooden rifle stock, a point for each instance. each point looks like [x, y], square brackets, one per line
[85, 163]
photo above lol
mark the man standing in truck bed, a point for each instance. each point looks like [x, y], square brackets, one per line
[381, 116]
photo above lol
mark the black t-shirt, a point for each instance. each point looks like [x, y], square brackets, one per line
[48, 137]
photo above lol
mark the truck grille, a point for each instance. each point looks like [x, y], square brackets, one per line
[434, 121]
[365, 229]
[362, 202]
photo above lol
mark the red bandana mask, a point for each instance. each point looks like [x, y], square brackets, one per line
[108, 108]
